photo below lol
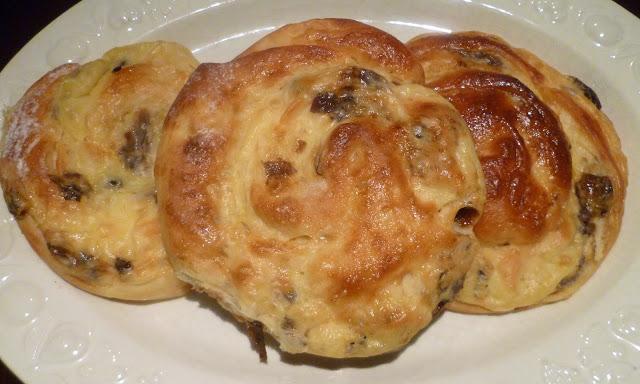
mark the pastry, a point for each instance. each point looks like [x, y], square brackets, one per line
[554, 170]
[319, 191]
[77, 169]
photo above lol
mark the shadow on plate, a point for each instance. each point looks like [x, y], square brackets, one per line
[327, 363]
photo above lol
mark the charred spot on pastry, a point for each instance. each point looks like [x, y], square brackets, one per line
[291, 296]
[72, 185]
[256, 335]
[339, 105]
[481, 57]
[114, 184]
[595, 194]
[587, 91]
[466, 216]
[277, 171]
[16, 204]
[288, 324]
[364, 76]
[123, 266]
[118, 67]
[134, 152]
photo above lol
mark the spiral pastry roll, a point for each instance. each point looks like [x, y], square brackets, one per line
[319, 191]
[554, 170]
[77, 169]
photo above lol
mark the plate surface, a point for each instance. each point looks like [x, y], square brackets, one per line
[54, 333]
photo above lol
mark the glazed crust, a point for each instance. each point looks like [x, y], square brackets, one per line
[307, 191]
[77, 169]
[556, 176]
[365, 43]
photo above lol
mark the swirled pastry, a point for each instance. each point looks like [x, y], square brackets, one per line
[77, 169]
[554, 170]
[319, 191]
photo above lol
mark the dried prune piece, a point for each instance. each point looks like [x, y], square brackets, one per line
[256, 335]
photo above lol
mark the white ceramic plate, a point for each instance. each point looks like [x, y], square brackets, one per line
[51, 332]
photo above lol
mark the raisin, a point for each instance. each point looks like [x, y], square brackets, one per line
[278, 168]
[277, 171]
[587, 91]
[118, 67]
[364, 76]
[337, 105]
[288, 324]
[438, 310]
[595, 194]
[85, 258]
[457, 286]
[72, 185]
[574, 276]
[481, 57]
[291, 296]
[137, 143]
[123, 266]
[16, 205]
[114, 184]
[63, 254]
[482, 283]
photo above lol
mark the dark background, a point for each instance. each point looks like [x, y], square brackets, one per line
[21, 20]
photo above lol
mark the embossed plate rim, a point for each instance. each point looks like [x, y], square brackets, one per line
[53, 343]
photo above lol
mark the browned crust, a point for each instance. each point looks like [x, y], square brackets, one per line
[158, 289]
[560, 93]
[367, 43]
[339, 225]
[514, 194]
[26, 174]
[200, 156]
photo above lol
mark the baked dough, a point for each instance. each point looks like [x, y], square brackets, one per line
[77, 169]
[555, 173]
[319, 190]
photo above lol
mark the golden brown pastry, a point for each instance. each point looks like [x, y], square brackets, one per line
[77, 169]
[320, 191]
[554, 170]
